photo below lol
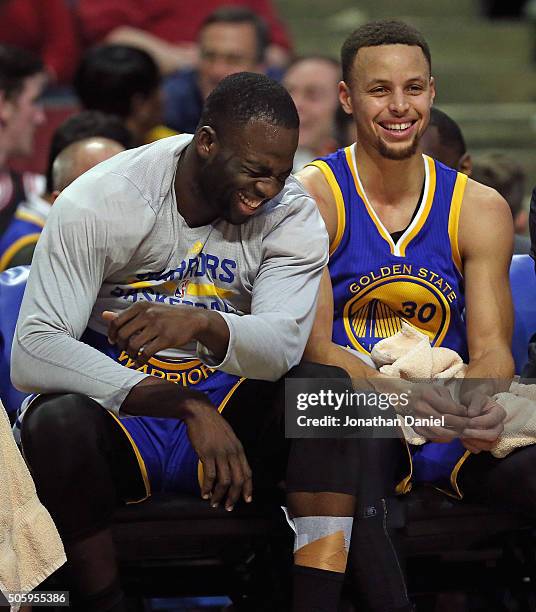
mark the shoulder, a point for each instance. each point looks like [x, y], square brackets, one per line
[316, 184]
[485, 221]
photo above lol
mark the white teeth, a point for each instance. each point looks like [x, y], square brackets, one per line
[247, 201]
[398, 126]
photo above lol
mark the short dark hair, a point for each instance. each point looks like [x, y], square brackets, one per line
[377, 33]
[16, 65]
[450, 134]
[109, 76]
[241, 14]
[243, 96]
[86, 124]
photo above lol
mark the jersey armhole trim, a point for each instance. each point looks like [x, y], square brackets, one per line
[454, 219]
[339, 201]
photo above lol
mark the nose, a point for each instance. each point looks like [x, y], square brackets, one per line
[399, 103]
[268, 188]
[220, 69]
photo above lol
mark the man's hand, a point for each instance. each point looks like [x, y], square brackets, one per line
[226, 471]
[430, 401]
[146, 328]
[486, 421]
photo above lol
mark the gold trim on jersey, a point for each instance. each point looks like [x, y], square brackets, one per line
[31, 218]
[405, 485]
[195, 289]
[424, 208]
[398, 249]
[15, 248]
[220, 410]
[141, 462]
[339, 201]
[454, 218]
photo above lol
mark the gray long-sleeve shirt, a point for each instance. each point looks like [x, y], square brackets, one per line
[115, 236]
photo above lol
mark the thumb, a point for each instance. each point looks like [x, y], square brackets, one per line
[108, 315]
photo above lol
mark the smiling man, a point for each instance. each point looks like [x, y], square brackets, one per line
[195, 260]
[412, 240]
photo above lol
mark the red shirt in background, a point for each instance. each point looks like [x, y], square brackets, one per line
[174, 21]
[45, 27]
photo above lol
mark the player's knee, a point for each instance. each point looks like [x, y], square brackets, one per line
[58, 419]
[309, 369]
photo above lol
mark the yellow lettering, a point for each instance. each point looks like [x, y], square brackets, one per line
[158, 373]
[354, 288]
[193, 380]
[374, 277]
[123, 356]
[397, 269]
[385, 271]
[408, 269]
[433, 276]
[143, 369]
[451, 296]
[423, 272]
[439, 283]
[364, 281]
[173, 376]
[206, 370]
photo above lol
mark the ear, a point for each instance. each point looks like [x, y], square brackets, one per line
[432, 90]
[345, 98]
[465, 165]
[206, 142]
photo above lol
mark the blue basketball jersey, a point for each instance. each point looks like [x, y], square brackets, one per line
[377, 282]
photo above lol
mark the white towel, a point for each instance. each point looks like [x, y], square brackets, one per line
[30, 547]
[409, 355]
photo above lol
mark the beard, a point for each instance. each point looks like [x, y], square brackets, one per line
[398, 154]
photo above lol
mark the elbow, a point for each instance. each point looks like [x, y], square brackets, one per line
[20, 370]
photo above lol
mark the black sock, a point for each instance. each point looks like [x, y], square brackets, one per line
[110, 599]
[373, 561]
[316, 590]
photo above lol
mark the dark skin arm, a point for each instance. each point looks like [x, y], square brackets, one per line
[155, 327]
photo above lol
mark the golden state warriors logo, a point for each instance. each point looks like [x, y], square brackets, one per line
[185, 372]
[384, 298]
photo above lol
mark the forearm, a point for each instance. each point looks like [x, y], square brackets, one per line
[329, 353]
[48, 361]
[160, 398]
[169, 58]
[490, 371]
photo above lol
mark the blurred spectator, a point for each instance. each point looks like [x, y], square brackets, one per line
[312, 82]
[168, 29]
[79, 157]
[82, 126]
[444, 141]
[506, 176]
[47, 29]
[22, 79]
[230, 40]
[122, 81]
[86, 124]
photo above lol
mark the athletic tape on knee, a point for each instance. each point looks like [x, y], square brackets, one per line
[321, 542]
